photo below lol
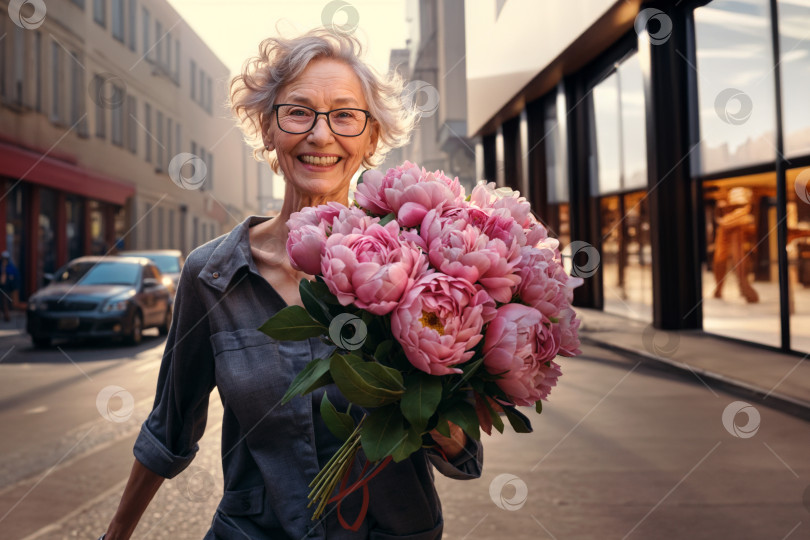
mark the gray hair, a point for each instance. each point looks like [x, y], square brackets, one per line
[282, 60]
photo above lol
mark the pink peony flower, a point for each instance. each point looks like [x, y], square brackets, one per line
[569, 333]
[544, 283]
[305, 248]
[370, 193]
[439, 322]
[412, 198]
[519, 347]
[350, 220]
[372, 269]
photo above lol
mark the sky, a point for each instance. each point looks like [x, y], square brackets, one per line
[233, 33]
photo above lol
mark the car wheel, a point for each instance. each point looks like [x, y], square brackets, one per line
[136, 332]
[163, 329]
[41, 342]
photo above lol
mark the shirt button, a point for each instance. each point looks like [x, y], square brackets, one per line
[215, 275]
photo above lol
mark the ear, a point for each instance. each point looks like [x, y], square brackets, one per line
[267, 133]
[373, 139]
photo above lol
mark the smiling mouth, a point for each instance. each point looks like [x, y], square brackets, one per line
[320, 161]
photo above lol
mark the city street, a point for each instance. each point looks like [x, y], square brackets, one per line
[622, 450]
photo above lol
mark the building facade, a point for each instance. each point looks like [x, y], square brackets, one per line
[113, 134]
[434, 69]
[667, 145]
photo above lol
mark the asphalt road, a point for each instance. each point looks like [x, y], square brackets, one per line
[620, 451]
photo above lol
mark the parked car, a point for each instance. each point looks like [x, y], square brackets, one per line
[100, 297]
[168, 261]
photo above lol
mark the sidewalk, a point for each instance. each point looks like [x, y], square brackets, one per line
[14, 327]
[770, 378]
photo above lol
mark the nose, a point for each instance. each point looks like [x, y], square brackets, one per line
[321, 134]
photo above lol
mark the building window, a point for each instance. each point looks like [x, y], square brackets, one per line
[38, 71]
[131, 18]
[147, 217]
[794, 20]
[177, 60]
[118, 20]
[161, 243]
[193, 80]
[158, 42]
[169, 139]
[77, 103]
[145, 22]
[18, 66]
[159, 141]
[56, 82]
[736, 100]
[147, 115]
[74, 218]
[118, 116]
[177, 145]
[100, 12]
[172, 243]
[101, 120]
[132, 124]
[79, 3]
[209, 96]
[620, 180]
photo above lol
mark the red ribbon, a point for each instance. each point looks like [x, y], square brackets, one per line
[362, 482]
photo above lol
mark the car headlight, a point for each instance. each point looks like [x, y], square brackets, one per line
[115, 304]
[37, 305]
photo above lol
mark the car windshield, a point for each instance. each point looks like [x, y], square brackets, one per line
[99, 273]
[167, 264]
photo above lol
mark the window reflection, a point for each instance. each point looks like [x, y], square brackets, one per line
[794, 47]
[798, 251]
[735, 84]
[626, 256]
[740, 273]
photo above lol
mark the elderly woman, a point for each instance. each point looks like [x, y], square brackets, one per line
[317, 113]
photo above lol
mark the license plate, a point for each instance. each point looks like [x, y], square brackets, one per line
[69, 323]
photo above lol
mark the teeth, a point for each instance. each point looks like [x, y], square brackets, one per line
[321, 161]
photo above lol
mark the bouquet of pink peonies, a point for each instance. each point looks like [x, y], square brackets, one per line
[442, 307]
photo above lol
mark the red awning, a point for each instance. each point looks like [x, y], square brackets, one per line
[19, 163]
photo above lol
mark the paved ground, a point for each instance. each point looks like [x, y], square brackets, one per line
[622, 450]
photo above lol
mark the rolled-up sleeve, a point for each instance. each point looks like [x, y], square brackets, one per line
[167, 442]
[465, 466]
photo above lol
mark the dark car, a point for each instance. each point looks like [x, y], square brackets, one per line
[100, 297]
[168, 261]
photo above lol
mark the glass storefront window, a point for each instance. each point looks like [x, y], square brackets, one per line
[75, 221]
[97, 240]
[794, 48]
[554, 134]
[46, 261]
[740, 272]
[16, 233]
[626, 256]
[735, 84]
[607, 130]
[798, 250]
[634, 125]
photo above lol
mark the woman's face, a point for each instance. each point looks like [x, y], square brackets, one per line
[324, 85]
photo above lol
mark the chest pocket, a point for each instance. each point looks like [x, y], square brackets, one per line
[253, 372]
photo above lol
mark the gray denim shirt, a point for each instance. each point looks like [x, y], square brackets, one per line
[270, 452]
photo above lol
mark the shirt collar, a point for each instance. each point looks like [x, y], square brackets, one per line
[230, 255]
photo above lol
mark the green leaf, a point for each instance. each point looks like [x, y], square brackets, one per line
[367, 384]
[312, 303]
[469, 369]
[321, 291]
[340, 424]
[292, 323]
[383, 350]
[423, 392]
[383, 431]
[464, 416]
[412, 443]
[538, 406]
[497, 423]
[387, 219]
[519, 422]
[442, 426]
[309, 376]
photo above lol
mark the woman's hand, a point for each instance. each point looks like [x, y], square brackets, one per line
[451, 446]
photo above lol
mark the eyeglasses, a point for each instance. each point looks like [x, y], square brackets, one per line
[298, 119]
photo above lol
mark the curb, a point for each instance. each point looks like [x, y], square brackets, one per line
[790, 405]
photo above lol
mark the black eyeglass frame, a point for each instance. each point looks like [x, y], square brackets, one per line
[315, 120]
